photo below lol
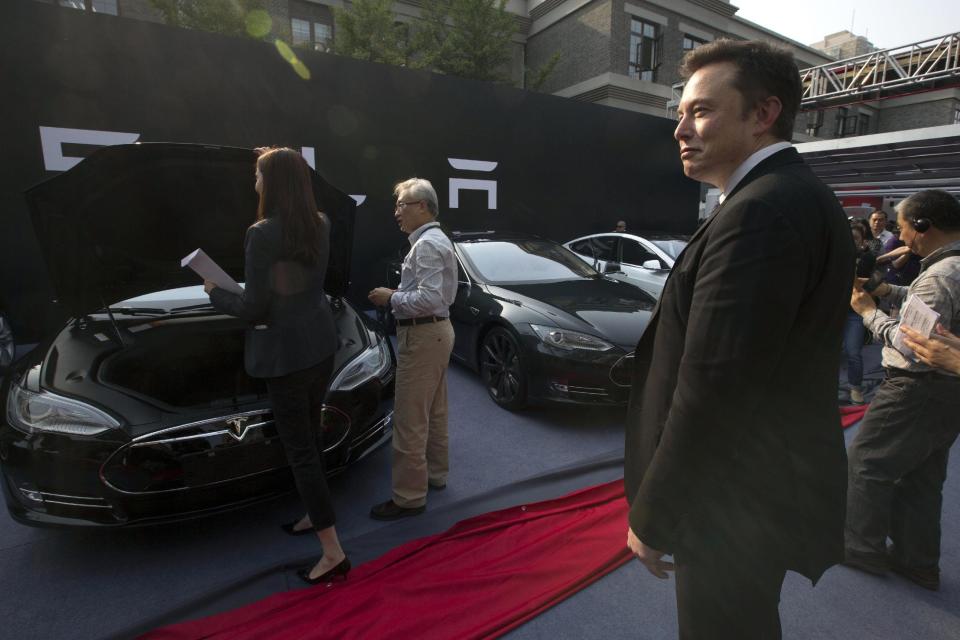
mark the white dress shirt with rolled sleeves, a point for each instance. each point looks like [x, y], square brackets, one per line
[428, 279]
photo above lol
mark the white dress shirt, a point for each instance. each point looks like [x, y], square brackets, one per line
[428, 278]
[755, 158]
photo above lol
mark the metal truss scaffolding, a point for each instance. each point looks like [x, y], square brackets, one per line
[919, 65]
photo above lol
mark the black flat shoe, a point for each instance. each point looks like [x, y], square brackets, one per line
[338, 572]
[288, 528]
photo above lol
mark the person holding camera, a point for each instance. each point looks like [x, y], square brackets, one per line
[898, 459]
[854, 331]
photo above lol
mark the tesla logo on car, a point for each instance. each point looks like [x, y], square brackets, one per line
[238, 427]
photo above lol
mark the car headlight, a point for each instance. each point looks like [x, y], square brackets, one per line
[374, 361]
[47, 412]
[566, 339]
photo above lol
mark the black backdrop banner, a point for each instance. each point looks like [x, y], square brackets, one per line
[499, 157]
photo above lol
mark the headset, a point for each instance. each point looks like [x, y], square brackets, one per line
[921, 225]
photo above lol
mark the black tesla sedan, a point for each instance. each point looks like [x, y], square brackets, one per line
[138, 409]
[540, 324]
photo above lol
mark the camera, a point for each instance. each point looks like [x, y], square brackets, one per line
[874, 281]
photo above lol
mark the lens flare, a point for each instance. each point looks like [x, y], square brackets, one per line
[285, 51]
[301, 69]
[287, 54]
[258, 23]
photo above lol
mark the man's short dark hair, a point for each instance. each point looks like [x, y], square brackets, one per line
[879, 212]
[939, 207]
[763, 70]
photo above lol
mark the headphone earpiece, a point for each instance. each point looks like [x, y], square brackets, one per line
[921, 224]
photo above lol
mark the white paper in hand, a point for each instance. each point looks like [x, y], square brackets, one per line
[207, 269]
[917, 315]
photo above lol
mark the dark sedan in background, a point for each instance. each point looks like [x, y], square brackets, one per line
[539, 324]
[139, 410]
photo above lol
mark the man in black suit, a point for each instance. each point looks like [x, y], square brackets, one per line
[735, 461]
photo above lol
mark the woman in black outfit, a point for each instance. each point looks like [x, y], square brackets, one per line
[291, 340]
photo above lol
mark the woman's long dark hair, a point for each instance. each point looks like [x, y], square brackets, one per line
[287, 194]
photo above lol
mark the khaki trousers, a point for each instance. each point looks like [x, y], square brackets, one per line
[420, 411]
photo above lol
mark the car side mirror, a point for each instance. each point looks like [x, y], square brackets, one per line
[611, 267]
[653, 265]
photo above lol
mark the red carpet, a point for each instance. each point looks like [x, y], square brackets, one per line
[480, 579]
[849, 416]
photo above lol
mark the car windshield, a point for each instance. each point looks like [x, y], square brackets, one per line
[524, 260]
[671, 247]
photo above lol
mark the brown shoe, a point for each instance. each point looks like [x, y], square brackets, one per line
[928, 578]
[390, 510]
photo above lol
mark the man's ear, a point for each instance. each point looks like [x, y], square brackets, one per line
[766, 113]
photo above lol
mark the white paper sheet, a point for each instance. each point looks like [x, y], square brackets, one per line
[207, 269]
[917, 315]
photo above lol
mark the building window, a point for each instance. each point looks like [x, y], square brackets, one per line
[645, 39]
[863, 125]
[841, 118]
[814, 122]
[322, 36]
[846, 123]
[956, 116]
[311, 25]
[110, 7]
[690, 42]
[301, 31]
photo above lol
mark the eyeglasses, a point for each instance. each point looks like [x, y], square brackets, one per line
[401, 204]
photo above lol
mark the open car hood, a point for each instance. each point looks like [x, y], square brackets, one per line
[117, 224]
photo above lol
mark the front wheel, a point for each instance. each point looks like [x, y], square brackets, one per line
[501, 369]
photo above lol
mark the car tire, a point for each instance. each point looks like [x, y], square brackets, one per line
[501, 369]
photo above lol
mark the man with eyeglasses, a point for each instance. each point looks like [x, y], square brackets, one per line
[421, 305]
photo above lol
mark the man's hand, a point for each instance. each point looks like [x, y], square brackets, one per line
[208, 286]
[650, 557]
[861, 301]
[380, 296]
[940, 350]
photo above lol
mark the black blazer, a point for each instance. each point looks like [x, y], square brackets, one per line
[734, 400]
[291, 323]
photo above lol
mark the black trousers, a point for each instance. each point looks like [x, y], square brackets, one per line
[729, 569]
[297, 402]
[897, 465]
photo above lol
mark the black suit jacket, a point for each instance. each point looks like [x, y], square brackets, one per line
[734, 398]
[291, 323]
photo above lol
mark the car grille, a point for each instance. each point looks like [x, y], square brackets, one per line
[208, 452]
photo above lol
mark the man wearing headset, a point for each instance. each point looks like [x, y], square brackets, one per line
[898, 460]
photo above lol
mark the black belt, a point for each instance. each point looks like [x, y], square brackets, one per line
[893, 372]
[405, 322]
